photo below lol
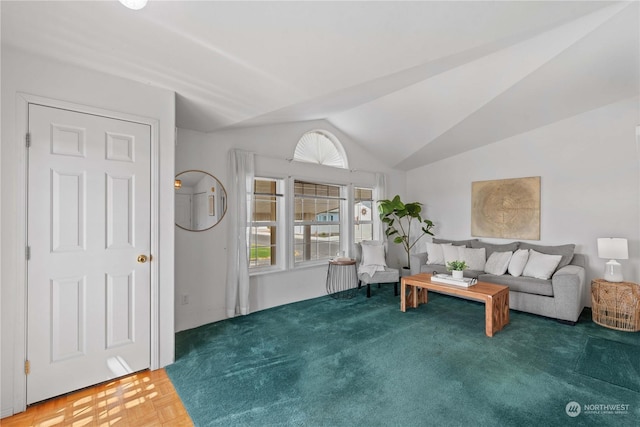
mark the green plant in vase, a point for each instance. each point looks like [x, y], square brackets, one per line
[456, 268]
[399, 217]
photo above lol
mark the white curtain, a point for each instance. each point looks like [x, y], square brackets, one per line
[241, 178]
[379, 193]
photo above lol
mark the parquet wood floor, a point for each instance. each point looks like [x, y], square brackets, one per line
[145, 398]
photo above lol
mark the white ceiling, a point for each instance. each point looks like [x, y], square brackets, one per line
[413, 82]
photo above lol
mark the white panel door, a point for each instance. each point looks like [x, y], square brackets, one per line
[88, 222]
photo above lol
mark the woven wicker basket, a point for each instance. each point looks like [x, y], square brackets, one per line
[616, 305]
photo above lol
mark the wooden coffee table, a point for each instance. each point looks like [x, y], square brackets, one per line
[495, 297]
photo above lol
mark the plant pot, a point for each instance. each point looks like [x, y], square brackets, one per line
[405, 271]
[456, 274]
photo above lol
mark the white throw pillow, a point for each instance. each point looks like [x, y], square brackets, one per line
[450, 253]
[475, 258]
[373, 255]
[435, 255]
[541, 266]
[498, 263]
[518, 262]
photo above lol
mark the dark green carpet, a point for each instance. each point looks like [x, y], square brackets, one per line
[362, 362]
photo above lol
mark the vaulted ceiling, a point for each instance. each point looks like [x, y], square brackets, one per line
[413, 82]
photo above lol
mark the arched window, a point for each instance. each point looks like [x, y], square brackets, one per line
[321, 147]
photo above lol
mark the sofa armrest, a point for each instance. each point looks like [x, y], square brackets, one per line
[569, 270]
[569, 288]
[418, 260]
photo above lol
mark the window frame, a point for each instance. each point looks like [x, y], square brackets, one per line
[280, 225]
[373, 211]
[332, 139]
[343, 203]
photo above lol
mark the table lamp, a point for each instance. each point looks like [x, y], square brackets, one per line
[613, 249]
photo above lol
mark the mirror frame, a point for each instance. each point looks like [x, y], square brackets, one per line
[225, 195]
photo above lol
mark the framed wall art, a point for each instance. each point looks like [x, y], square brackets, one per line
[506, 208]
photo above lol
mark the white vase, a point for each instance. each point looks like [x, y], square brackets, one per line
[456, 274]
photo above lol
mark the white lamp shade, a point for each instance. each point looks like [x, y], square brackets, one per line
[613, 248]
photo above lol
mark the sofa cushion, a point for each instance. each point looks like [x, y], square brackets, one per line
[492, 247]
[435, 254]
[450, 254]
[474, 258]
[566, 251]
[527, 285]
[518, 262]
[541, 266]
[498, 263]
[466, 243]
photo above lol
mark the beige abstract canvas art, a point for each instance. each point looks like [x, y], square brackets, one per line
[506, 208]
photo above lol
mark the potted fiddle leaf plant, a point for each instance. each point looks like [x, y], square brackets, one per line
[456, 268]
[399, 219]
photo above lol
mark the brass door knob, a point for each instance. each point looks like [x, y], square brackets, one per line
[142, 259]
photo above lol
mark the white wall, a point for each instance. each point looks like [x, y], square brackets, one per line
[38, 76]
[201, 256]
[590, 182]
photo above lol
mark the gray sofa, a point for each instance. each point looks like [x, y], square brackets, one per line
[560, 297]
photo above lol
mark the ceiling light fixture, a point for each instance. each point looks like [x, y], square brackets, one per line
[134, 4]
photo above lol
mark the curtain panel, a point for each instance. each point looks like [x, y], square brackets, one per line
[379, 193]
[241, 171]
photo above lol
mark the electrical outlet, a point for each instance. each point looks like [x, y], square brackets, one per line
[185, 299]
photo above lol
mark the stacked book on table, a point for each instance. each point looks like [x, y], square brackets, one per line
[447, 279]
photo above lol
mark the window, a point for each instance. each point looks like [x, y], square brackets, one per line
[265, 250]
[321, 147]
[363, 210]
[317, 215]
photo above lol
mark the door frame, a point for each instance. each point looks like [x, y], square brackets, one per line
[20, 326]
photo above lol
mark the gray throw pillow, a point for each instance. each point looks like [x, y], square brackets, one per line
[493, 247]
[541, 266]
[498, 263]
[466, 243]
[565, 250]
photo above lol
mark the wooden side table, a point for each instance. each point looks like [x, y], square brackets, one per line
[616, 305]
[342, 278]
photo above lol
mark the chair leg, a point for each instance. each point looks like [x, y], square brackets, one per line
[368, 290]
[395, 289]
[359, 284]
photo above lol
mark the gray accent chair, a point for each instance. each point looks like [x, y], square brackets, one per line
[389, 275]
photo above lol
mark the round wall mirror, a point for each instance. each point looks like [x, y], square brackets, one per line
[201, 200]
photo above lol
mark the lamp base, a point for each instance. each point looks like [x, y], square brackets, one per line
[613, 271]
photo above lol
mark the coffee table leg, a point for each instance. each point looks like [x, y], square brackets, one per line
[414, 295]
[403, 296]
[505, 308]
[496, 313]
[424, 296]
[501, 310]
[488, 317]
